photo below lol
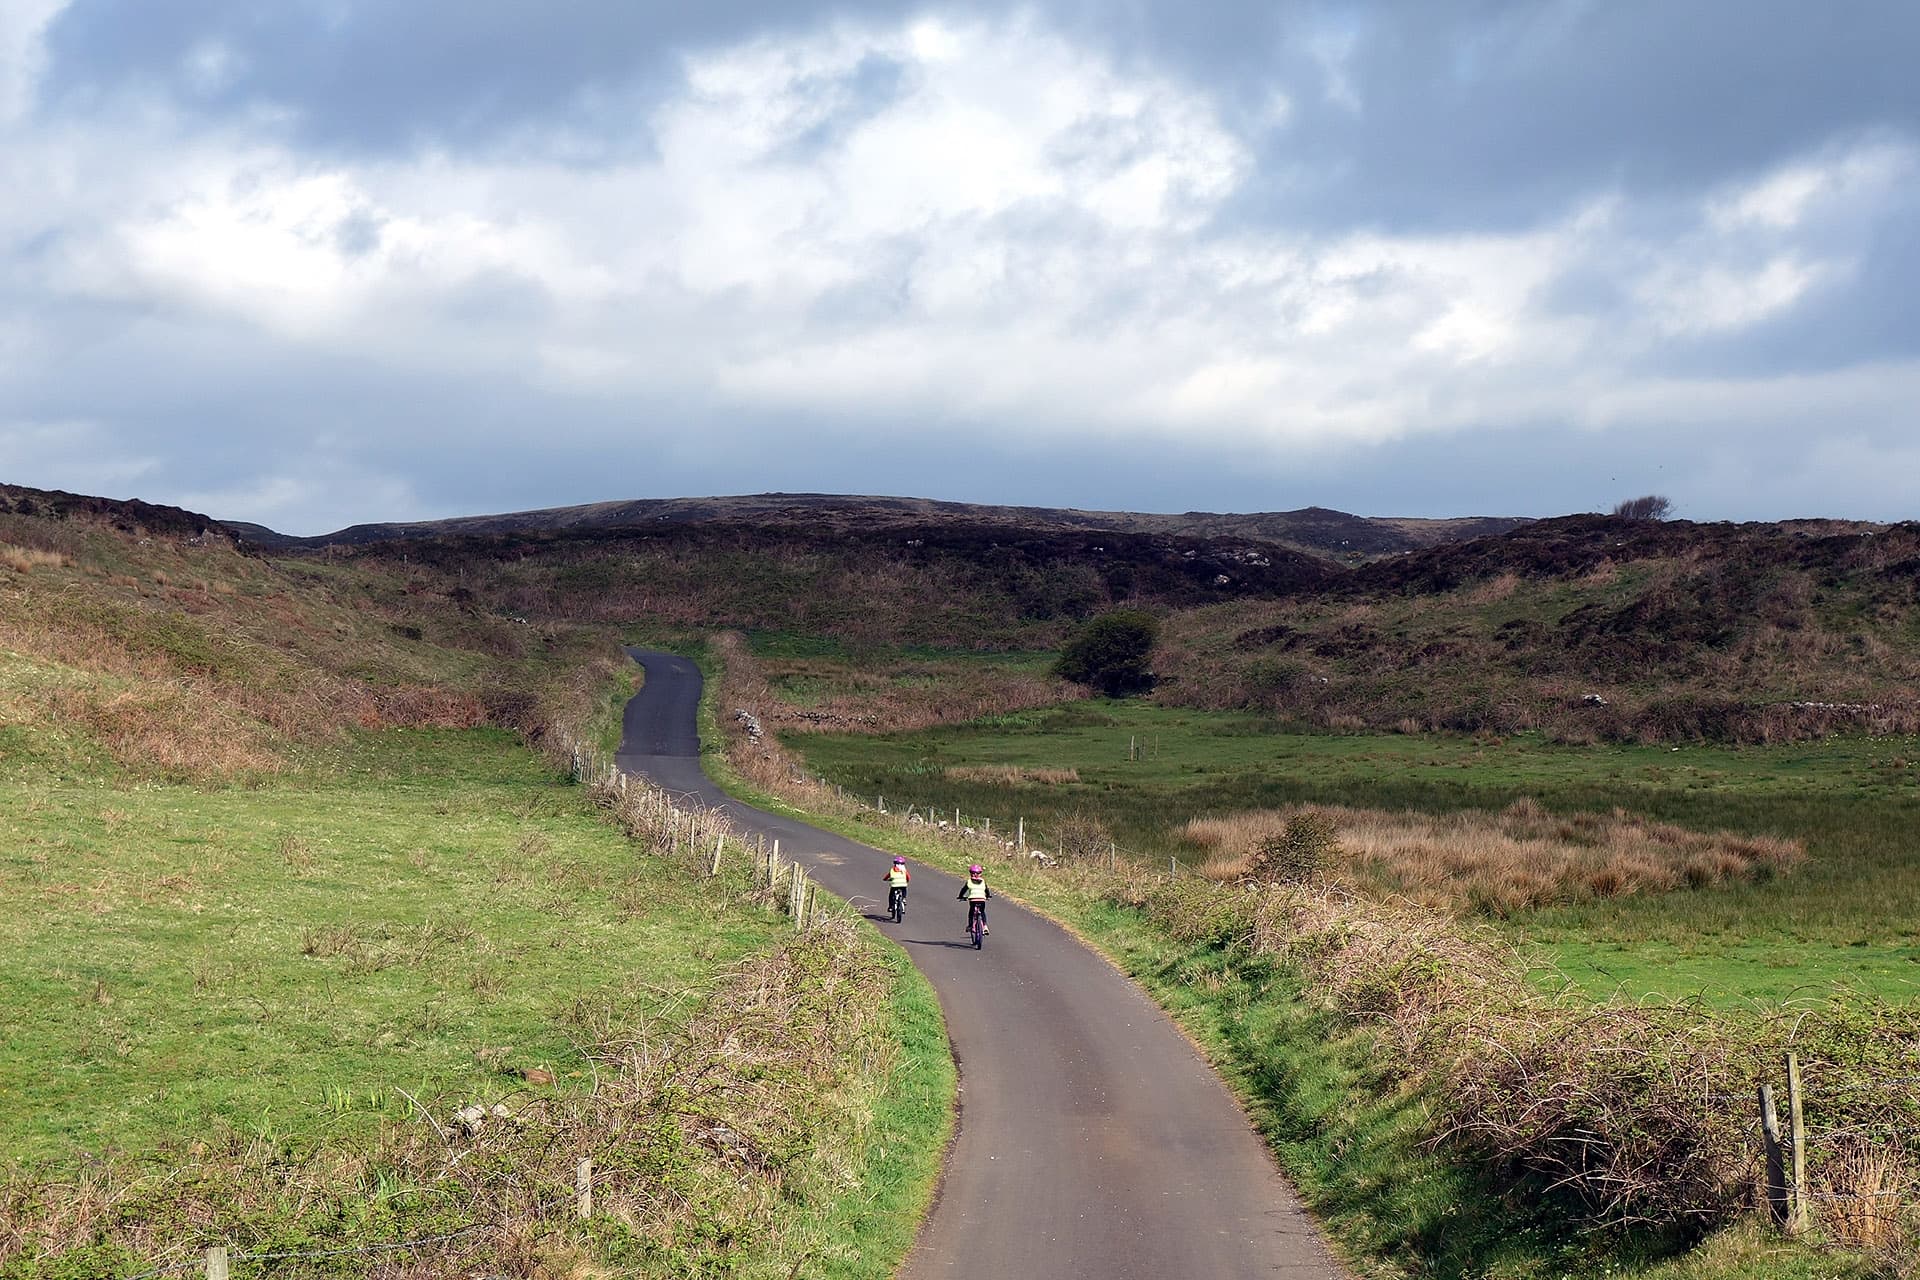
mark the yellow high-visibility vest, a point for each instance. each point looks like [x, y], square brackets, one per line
[976, 891]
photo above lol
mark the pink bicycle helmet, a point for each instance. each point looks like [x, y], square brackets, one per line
[974, 870]
[899, 862]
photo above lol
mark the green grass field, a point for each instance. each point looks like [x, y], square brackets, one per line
[412, 919]
[420, 911]
[1845, 916]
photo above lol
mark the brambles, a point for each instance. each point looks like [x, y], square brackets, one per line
[1638, 1109]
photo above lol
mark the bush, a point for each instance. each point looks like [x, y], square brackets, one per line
[1082, 835]
[1297, 854]
[1650, 507]
[1110, 653]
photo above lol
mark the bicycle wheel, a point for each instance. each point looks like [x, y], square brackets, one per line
[978, 925]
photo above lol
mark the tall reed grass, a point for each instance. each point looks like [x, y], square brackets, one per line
[1517, 859]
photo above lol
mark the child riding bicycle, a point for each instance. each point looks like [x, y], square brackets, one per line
[975, 894]
[896, 878]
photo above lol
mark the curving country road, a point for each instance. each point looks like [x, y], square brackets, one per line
[1093, 1140]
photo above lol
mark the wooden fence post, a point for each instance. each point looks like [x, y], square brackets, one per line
[1776, 1165]
[583, 1184]
[1113, 855]
[719, 842]
[1797, 1130]
[1020, 837]
[217, 1263]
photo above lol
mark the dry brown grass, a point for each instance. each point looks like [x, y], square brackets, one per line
[1513, 860]
[1012, 775]
[27, 559]
[1494, 589]
[1864, 1193]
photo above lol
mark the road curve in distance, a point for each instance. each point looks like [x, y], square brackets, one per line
[1094, 1142]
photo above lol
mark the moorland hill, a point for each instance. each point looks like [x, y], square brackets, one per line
[1588, 627]
[1584, 627]
[1316, 531]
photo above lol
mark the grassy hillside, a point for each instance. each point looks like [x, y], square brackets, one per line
[283, 908]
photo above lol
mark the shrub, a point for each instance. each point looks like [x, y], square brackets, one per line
[1111, 653]
[1650, 507]
[1082, 835]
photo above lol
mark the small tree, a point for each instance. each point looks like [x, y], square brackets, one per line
[1651, 507]
[1111, 652]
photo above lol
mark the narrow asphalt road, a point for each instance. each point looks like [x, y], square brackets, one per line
[1094, 1141]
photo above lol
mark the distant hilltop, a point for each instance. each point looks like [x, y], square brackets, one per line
[1317, 531]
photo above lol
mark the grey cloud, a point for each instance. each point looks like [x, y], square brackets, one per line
[1470, 112]
[366, 75]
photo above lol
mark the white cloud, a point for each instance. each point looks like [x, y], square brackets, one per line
[1005, 230]
[23, 27]
[1784, 198]
[1689, 298]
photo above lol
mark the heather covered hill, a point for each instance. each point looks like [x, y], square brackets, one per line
[1587, 627]
[952, 583]
[1317, 531]
[126, 515]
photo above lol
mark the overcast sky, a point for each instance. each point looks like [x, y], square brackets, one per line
[313, 262]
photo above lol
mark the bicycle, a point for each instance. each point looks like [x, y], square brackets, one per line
[977, 924]
[897, 902]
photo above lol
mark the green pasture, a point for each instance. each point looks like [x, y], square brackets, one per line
[1847, 915]
[418, 911]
